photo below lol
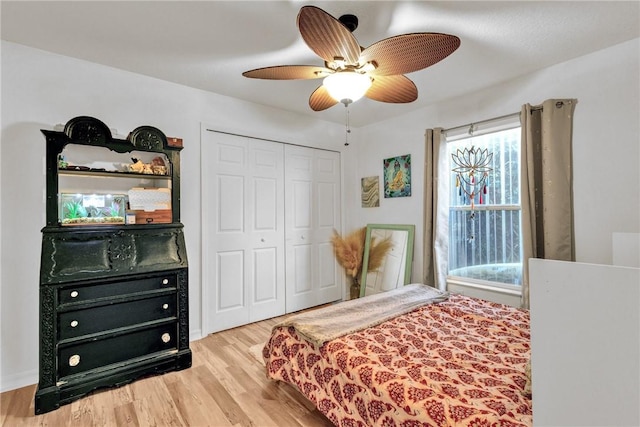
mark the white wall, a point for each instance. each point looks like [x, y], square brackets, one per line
[41, 89]
[606, 149]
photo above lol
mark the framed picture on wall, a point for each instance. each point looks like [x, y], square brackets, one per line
[370, 192]
[397, 176]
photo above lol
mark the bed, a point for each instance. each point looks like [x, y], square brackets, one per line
[409, 357]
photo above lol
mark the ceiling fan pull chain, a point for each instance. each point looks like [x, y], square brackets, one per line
[347, 127]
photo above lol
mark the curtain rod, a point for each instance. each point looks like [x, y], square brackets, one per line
[468, 125]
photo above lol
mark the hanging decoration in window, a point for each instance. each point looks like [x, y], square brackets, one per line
[472, 172]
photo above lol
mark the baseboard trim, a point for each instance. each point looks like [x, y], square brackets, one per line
[19, 380]
[195, 335]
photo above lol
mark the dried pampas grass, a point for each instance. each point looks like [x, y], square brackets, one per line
[377, 253]
[349, 250]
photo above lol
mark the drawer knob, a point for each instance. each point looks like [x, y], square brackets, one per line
[165, 306]
[74, 360]
[165, 281]
[166, 337]
[74, 294]
[74, 323]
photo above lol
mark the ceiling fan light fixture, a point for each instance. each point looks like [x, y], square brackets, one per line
[347, 86]
[351, 71]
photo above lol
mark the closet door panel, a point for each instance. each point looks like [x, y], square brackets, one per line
[312, 211]
[327, 194]
[300, 272]
[230, 267]
[229, 241]
[265, 193]
[327, 179]
[302, 194]
[264, 281]
[303, 268]
[243, 230]
[231, 204]
[267, 281]
[267, 285]
[327, 270]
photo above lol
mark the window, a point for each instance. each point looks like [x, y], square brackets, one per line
[485, 242]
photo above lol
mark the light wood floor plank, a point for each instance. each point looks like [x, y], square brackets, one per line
[229, 405]
[126, 416]
[192, 407]
[226, 386]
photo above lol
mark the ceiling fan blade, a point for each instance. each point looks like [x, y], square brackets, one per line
[409, 52]
[395, 89]
[288, 72]
[326, 36]
[321, 100]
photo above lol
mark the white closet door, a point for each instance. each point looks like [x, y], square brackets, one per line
[312, 188]
[243, 230]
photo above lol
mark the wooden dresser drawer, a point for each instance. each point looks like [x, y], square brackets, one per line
[84, 356]
[84, 292]
[92, 320]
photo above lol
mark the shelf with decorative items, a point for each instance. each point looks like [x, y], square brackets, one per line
[87, 172]
[113, 289]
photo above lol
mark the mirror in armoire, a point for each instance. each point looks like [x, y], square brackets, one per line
[395, 268]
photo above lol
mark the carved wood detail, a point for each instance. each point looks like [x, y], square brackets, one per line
[88, 129]
[47, 336]
[148, 138]
[183, 309]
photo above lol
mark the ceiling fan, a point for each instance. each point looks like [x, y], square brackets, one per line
[351, 71]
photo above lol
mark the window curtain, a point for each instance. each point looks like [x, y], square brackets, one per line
[547, 196]
[436, 208]
[546, 192]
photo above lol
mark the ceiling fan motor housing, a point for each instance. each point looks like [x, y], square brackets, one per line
[349, 21]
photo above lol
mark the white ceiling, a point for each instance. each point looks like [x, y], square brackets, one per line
[208, 44]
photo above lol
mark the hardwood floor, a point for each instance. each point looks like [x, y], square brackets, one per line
[226, 386]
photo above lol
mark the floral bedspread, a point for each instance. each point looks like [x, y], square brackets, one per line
[460, 362]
